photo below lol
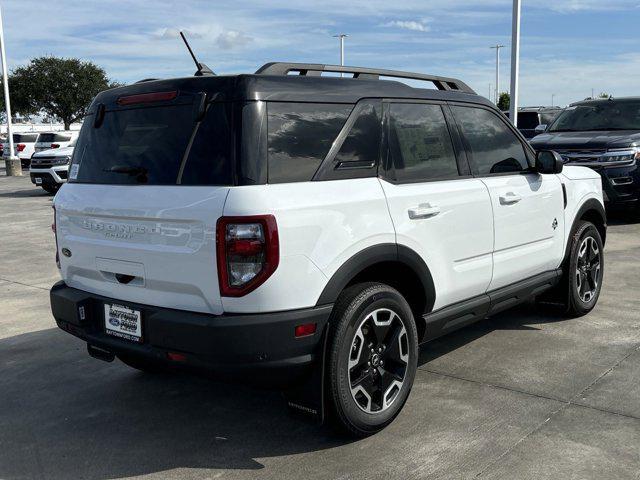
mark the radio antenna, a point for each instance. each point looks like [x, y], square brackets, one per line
[202, 69]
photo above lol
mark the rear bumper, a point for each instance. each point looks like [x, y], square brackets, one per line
[244, 347]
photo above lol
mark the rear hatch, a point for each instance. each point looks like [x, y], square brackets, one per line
[47, 141]
[148, 180]
[21, 144]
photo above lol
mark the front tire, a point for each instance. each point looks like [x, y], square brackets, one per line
[585, 271]
[51, 188]
[372, 357]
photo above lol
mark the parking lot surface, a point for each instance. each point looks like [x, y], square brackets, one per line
[527, 394]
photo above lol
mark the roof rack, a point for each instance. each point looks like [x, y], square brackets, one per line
[362, 73]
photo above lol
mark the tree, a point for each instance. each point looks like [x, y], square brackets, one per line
[20, 103]
[59, 87]
[605, 95]
[504, 101]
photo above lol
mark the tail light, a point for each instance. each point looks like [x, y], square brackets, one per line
[21, 147]
[55, 234]
[55, 145]
[147, 98]
[248, 252]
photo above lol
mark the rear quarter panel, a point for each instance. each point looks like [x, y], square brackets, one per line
[320, 226]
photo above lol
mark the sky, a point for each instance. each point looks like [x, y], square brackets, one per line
[568, 47]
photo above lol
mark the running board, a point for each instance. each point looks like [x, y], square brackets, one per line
[458, 315]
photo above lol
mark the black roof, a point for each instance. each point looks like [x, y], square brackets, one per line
[595, 101]
[306, 87]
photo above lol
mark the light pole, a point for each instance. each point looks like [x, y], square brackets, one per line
[341, 36]
[497, 47]
[12, 163]
[553, 95]
[515, 61]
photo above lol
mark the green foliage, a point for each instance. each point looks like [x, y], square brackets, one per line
[59, 87]
[605, 95]
[504, 101]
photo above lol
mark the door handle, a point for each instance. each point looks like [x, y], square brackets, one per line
[510, 198]
[424, 210]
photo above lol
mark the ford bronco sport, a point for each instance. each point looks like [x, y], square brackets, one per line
[311, 230]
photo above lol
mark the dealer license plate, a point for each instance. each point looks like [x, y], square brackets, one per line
[123, 322]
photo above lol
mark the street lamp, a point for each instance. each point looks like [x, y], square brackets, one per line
[341, 36]
[515, 61]
[497, 47]
[12, 163]
[553, 95]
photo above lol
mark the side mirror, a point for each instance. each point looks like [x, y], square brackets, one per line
[541, 128]
[548, 161]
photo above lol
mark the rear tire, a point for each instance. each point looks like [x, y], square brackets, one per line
[142, 364]
[372, 357]
[585, 270]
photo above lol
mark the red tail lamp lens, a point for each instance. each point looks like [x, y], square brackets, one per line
[21, 147]
[248, 252]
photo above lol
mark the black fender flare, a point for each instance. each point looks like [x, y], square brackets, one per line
[386, 252]
[590, 204]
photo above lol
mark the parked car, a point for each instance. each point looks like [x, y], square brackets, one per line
[311, 230]
[23, 147]
[532, 121]
[49, 140]
[605, 136]
[49, 169]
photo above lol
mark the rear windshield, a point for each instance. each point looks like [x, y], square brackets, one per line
[53, 137]
[606, 115]
[25, 137]
[157, 145]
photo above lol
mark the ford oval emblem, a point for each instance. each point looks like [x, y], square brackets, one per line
[66, 252]
[114, 321]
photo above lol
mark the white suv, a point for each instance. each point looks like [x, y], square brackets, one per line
[23, 147]
[51, 140]
[311, 231]
[50, 168]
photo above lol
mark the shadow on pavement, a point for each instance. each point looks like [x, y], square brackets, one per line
[36, 192]
[83, 418]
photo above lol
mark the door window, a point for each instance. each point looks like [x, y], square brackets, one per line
[494, 147]
[420, 146]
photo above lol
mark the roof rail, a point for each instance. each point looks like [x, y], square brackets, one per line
[362, 73]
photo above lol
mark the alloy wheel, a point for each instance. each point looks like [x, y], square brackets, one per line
[378, 360]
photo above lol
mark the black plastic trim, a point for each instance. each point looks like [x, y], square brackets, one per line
[458, 315]
[387, 252]
[591, 204]
[226, 343]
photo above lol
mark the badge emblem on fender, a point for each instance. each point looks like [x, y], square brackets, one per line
[554, 225]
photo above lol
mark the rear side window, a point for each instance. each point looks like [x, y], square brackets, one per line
[494, 147]
[300, 136]
[420, 146]
[159, 145]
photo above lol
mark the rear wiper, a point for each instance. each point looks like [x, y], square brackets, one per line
[126, 169]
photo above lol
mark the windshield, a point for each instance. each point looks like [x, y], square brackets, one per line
[607, 115]
[159, 145]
